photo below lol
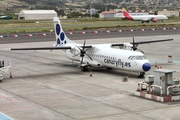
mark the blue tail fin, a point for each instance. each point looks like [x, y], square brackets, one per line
[61, 38]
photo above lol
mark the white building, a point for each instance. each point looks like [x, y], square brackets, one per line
[37, 14]
[92, 11]
[168, 13]
[107, 14]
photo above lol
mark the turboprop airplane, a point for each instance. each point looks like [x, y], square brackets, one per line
[143, 18]
[100, 55]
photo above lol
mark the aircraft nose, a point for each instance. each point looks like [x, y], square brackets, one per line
[146, 67]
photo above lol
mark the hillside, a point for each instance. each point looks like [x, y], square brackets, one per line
[68, 6]
[9, 7]
[12, 3]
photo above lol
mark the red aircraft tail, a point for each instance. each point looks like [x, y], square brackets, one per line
[126, 14]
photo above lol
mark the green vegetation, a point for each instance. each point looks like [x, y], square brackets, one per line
[21, 26]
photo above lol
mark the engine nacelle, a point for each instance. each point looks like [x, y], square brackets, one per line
[75, 51]
[92, 63]
[127, 46]
[154, 20]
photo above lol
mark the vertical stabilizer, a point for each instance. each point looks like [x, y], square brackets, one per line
[126, 14]
[61, 38]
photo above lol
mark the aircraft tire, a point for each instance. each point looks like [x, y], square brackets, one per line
[109, 68]
[141, 75]
[84, 68]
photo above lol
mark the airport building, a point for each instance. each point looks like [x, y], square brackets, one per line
[37, 14]
[107, 14]
[168, 13]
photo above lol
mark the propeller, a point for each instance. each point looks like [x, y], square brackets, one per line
[134, 47]
[83, 52]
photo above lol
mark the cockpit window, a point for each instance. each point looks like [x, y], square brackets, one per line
[138, 58]
[133, 58]
[129, 57]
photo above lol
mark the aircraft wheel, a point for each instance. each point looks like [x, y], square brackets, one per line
[109, 68]
[141, 75]
[84, 68]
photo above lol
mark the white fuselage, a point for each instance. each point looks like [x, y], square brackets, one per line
[149, 17]
[106, 56]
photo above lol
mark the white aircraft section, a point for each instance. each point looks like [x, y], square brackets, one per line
[143, 18]
[150, 17]
[4, 69]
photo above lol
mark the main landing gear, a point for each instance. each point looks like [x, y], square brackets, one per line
[84, 68]
[141, 75]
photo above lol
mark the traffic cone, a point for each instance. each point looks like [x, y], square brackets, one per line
[90, 75]
[155, 64]
[10, 75]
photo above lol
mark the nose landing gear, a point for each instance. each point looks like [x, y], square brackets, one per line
[141, 75]
[84, 68]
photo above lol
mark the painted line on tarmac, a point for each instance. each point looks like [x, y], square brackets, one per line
[95, 31]
[4, 117]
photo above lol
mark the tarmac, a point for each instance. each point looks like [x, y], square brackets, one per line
[45, 85]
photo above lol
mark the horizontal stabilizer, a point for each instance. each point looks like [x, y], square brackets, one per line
[41, 48]
[47, 48]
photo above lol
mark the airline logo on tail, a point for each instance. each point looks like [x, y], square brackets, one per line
[60, 36]
[126, 14]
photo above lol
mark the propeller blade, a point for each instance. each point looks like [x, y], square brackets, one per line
[89, 56]
[82, 52]
[141, 51]
[76, 55]
[78, 47]
[82, 60]
[134, 47]
[84, 44]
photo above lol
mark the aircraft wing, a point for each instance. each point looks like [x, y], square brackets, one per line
[151, 41]
[48, 48]
[142, 42]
